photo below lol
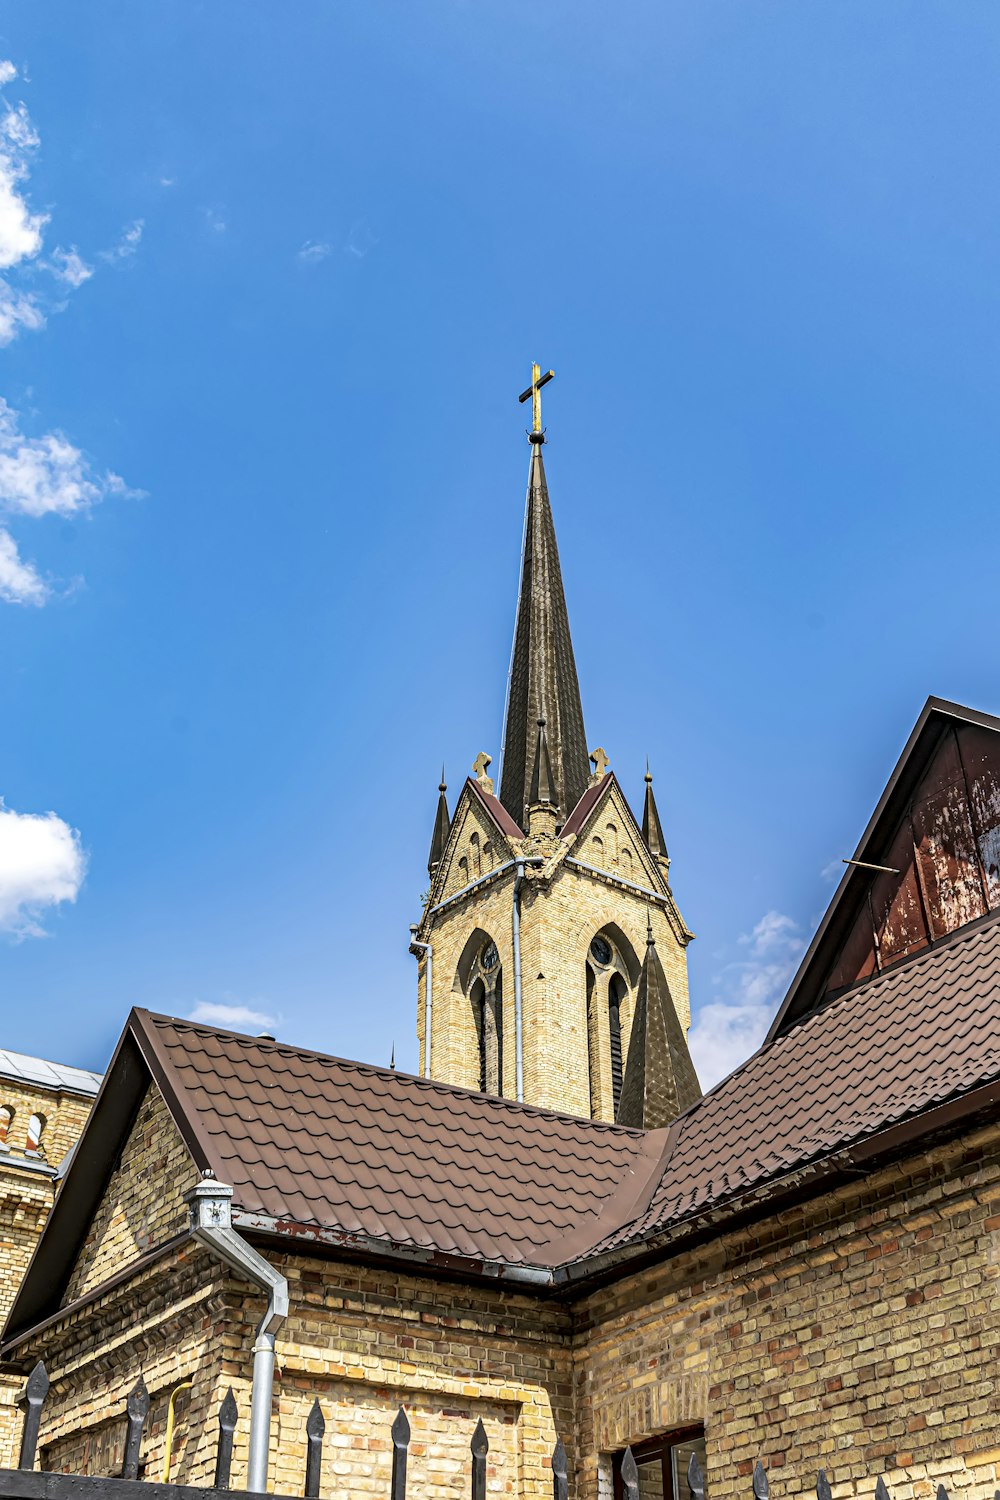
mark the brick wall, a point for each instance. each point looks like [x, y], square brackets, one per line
[858, 1334]
[144, 1202]
[26, 1196]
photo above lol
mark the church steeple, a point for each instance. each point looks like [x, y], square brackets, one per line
[442, 828]
[543, 680]
[660, 1081]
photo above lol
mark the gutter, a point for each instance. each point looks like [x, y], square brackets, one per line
[474, 885]
[629, 885]
[428, 948]
[515, 922]
[212, 1226]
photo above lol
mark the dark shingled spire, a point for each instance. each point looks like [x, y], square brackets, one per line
[543, 681]
[652, 830]
[442, 828]
[660, 1080]
[542, 789]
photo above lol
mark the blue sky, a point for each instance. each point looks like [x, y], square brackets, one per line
[274, 277]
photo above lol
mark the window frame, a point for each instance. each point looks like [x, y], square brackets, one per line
[656, 1447]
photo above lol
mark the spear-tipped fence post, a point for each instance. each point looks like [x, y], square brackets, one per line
[228, 1414]
[942, 1493]
[696, 1479]
[630, 1475]
[480, 1447]
[761, 1488]
[315, 1428]
[400, 1443]
[823, 1486]
[560, 1472]
[881, 1493]
[36, 1388]
[137, 1407]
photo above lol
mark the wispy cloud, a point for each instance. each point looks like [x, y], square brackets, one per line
[361, 239]
[41, 476]
[42, 865]
[233, 1017]
[313, 251]
[69, 266]
[217, 220]
[726, 1032]
[127, 245]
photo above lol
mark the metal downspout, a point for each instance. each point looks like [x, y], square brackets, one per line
[212, 1226]
[428, 997]
[516, 932]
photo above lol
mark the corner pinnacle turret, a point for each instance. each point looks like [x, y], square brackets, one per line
[543, 681]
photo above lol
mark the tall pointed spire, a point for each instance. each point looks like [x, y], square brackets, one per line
[652, 829]
[660, 1081]
[442, 828]
[543, 680]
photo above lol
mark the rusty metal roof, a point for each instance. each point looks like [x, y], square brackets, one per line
[878, 845]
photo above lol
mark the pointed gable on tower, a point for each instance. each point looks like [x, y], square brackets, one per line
[660, 1080]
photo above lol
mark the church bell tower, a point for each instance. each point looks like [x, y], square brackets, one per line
[551, 952]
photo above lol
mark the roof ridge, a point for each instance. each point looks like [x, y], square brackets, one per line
[607, 1127]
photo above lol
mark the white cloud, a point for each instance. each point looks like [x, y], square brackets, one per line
[314, 251]
[8, 72]
[18, 311]
[20, 229]
[233, 1017]
[217, 220]
[67, 266]
[41, 476]
[42, 864]
[127, 245]
[19, 581]
[726, 1032]
[47, 475]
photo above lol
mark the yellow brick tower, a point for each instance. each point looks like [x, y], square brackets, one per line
[550, 922]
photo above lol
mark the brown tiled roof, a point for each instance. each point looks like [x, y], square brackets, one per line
[385, 1164]
[586, 805]
[496, 810]
[892, 1048]
[368, 1154]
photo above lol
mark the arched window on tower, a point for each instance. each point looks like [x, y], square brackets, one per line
[612, 975]
[480, 975]
[6, 1120]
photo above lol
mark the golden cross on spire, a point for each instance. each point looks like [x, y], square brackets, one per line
[535, 392]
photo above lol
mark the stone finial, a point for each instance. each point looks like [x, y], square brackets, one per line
[480, 766]
[600, 762]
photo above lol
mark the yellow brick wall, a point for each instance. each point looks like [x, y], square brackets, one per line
[26, 1197]
[858, 1335]
[143, 1205]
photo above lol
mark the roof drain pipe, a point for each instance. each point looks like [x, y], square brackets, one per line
[416, 949]
[516, 933]
[212, 1226]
